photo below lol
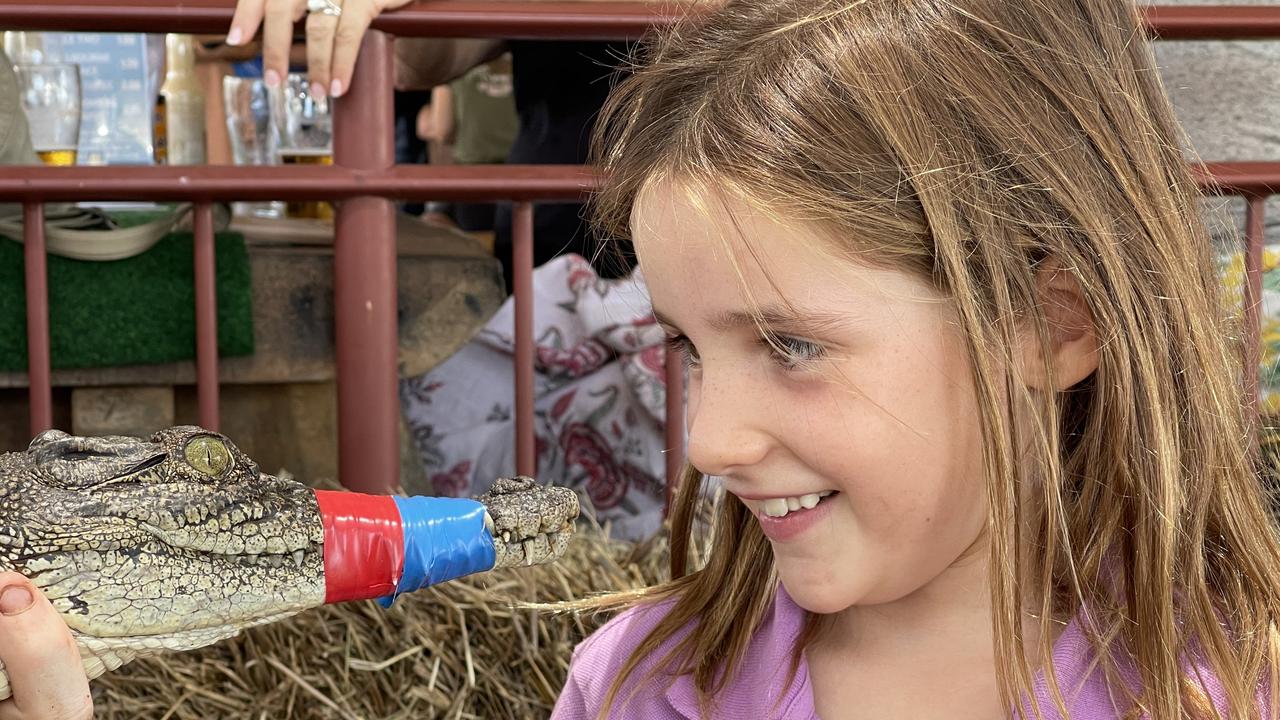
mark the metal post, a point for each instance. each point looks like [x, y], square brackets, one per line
[39, 382]
[675, 426]
[364, 284]
[1254, 229]
[206, 318]
[522, 287]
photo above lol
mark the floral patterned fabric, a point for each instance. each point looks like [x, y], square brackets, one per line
[599, 399]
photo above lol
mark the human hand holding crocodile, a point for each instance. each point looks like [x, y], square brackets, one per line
[48, 678]
[145, 547]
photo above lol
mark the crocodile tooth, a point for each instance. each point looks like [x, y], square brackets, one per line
[488, 523]
[297, 558]
[529, 547]
[559, 542]
[506, 536]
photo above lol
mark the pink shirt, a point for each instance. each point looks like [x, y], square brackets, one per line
[760, 689]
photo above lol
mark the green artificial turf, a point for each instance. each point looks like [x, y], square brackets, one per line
[126, 312]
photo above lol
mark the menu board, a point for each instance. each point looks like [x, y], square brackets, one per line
[118, 84]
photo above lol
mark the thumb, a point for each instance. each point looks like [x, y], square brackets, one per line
[40, 656]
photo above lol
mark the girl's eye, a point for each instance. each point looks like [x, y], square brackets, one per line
[792, 353]
[683, 348]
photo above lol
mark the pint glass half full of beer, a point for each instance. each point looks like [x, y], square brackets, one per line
[304, 127]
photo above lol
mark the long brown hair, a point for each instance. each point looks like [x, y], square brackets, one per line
[968, 141]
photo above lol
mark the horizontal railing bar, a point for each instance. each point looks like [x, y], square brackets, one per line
[1214, 22]
[587, 20]
[444, 18]
[1239, 178]
[458, 183]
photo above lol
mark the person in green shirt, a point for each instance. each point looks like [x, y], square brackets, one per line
[472, 121]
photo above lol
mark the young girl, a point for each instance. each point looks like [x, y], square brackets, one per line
[956, 351]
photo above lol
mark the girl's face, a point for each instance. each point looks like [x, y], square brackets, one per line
[858, 396]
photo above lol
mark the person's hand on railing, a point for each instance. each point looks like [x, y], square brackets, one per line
[46, 676]
[334, 31]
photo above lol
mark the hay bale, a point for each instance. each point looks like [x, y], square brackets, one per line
[458, 650]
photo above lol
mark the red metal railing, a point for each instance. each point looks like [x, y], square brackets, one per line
[587, 20]
[365, 179]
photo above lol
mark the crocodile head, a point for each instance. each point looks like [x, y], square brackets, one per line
[167, 544]
[180, 541]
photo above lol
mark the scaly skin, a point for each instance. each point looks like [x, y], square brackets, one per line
[176, 543]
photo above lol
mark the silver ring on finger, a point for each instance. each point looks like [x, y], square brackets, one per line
[324, 7]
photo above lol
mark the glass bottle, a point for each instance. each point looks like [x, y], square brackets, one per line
[183, 103]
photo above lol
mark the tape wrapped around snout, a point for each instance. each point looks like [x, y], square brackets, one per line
[380, 546]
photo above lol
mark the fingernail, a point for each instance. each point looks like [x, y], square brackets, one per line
[15, 599]
[272, 78]
[317, 90]
[335, 89]
[233, 37]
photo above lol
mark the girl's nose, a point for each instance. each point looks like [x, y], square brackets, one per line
[724, 432]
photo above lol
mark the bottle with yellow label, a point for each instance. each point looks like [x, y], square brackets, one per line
[183, 103]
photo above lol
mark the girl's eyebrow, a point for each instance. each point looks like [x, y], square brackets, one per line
[773, 317]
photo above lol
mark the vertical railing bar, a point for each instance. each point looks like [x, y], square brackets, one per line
[1255, 216]
[675, 426]
[364, 282]
[39, 381]
[522, 288]
[206, 318]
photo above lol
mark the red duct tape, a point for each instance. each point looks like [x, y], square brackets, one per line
[363, 545]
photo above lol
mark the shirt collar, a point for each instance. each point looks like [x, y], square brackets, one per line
[762, 679]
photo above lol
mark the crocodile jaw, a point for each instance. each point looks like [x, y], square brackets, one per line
[530, 524]
[147, 588]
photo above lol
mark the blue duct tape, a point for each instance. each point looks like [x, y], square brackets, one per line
[444, 538]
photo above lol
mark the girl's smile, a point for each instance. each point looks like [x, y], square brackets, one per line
[785, 518]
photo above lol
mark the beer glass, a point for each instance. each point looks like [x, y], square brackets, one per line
[304, 133]
[51, 101]
[251, 132]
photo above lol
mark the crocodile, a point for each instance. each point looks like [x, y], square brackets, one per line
[181, 541]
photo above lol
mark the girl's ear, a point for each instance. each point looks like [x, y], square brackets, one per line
[1073, 339]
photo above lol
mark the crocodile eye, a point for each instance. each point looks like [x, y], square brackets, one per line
[207, 454]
